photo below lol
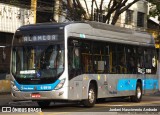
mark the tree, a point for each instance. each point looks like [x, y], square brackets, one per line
[117, 7]
[155, 12]
[154, 8]
[75, 10]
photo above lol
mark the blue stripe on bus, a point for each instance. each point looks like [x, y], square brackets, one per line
[42, 87]
[150, 84]
[126, 84]
[130, 84]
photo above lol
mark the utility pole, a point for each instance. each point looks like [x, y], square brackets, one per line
[34, 9]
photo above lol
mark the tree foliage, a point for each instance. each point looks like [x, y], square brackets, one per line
[155, 12]
[154, 8]
[75, 10]
[117, 7]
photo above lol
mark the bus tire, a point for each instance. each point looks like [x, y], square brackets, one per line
[138, 94]
[43, 103]
[91, 96]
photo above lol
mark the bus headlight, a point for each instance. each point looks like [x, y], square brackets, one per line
[14, 87]
[60, 85]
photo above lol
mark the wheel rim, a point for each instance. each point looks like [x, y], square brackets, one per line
[139, 93]
[91, 96]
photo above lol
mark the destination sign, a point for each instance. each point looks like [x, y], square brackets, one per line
[40, 38]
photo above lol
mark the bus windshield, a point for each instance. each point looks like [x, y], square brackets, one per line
[37, 63]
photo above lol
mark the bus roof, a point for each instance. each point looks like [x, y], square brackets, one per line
[110, 33]
[98, 31]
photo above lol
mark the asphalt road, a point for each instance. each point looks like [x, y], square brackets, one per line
[113, 106]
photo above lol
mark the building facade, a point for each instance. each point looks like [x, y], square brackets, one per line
[135, 17]
[11, 18]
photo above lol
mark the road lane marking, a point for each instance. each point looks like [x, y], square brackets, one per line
[58, 113]
[102, 106]
[16, 113]
[97, 107]
[130, 104]
[41, 113]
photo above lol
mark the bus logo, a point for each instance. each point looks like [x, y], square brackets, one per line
[38, 74]
[21, 87]
[35, 88]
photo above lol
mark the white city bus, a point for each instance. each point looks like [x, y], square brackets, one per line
[81, 61]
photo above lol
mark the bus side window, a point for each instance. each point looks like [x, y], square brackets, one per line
[131, 60]
[131, 65]
[150, 61]
[154, 62]
[113, 58]
[76, 59]
[121, 59]
[73, 58]
[140, 60]
[86, 56]
[69, 57]
[100, 57]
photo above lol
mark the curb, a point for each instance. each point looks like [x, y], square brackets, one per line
[5, 93]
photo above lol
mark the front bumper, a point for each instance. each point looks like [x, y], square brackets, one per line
[44, 95]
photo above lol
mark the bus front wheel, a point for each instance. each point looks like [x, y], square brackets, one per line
[91, 96]
[138, 94]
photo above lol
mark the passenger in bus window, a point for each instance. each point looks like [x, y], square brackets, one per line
[122, 61]
[76, 60]
[122, 65]
[131, 65]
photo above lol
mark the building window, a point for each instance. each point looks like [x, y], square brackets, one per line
[99, 17]
[140, 19]
[129, 17]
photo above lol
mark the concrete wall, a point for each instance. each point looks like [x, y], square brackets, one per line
[12, 17]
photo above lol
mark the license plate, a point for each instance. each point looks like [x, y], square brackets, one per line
[35, 95]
